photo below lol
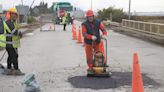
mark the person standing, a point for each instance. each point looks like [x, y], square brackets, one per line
[92, 37]
[10, 39]
[64, 21]
[1, 31]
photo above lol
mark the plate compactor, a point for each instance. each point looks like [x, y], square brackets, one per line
[99, 64]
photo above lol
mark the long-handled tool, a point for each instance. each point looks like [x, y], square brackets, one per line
[99, 64]
[1, 66]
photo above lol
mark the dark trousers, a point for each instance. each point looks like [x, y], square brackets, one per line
[64, 27]
[12, 59]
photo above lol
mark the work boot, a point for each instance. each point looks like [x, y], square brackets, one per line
[8, 72]
[17, 72]
[1, 66]
[105, 65]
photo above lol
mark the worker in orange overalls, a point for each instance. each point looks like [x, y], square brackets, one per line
[92, 36]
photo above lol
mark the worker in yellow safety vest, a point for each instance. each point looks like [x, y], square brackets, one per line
[64, 21]
[10, 39]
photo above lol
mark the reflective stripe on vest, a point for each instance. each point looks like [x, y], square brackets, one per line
[9, 42]
[9, 35]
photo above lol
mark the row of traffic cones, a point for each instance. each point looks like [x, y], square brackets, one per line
[76, 36]
[74, 32]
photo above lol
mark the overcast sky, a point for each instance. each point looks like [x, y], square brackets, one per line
[137, 5]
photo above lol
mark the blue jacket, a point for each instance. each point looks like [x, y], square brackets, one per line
[92, 31]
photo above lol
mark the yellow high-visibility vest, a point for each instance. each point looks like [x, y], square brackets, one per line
[15, 38]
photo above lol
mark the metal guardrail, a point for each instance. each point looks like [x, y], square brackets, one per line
[108, 22]
[147, 27]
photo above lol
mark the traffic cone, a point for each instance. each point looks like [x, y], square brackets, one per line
[72, 30]
[72, 27]
[50, 28]
[137, 83]
[103, 50]
[79, 36]
[83, 44]
[74, 33]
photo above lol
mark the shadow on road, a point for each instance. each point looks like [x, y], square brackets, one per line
[117, 79]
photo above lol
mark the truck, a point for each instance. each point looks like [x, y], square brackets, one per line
[59, 9]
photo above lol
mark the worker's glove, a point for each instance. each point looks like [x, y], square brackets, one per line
[103, 37]
[20, 34]
[94, 38]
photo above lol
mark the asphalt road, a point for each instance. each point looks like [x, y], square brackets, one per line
[60, 66]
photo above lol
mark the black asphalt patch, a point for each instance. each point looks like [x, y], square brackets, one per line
[117, 79]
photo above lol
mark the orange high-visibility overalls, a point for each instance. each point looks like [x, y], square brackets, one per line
[90, 46]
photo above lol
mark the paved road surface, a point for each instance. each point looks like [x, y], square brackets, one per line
[59, 63]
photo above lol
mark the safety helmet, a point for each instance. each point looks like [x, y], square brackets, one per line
[90, 13]
[12, 10]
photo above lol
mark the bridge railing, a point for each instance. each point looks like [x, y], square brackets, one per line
[152, 28]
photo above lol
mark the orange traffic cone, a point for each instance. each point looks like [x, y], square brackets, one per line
[137, 83]
[72, 30]
[74, 33]
[50, 28]
[72, 27]
[79, 36]
[103, 50]
[83, 44]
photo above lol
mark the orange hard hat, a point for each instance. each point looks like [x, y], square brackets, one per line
[90, 13]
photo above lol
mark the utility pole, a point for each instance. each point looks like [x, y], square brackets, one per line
[129, 14]
[111, 17]
[91, 4]
[22, 2]
[28, 12]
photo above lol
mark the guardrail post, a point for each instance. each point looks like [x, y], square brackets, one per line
[138, 25]
[144, 27]
[150, 28]
[126, 24]
[158, 29]
[123, 23]
[134, 25]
